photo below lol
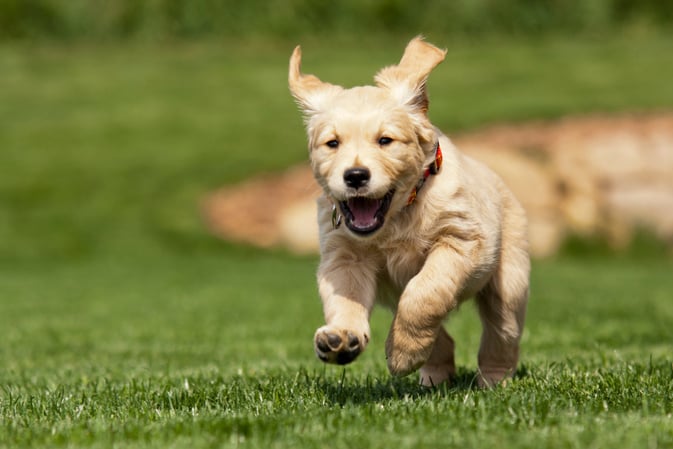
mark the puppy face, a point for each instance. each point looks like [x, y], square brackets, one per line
[369, 145]
[366, 154]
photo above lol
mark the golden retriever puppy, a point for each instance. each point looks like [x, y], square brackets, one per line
[408, 221]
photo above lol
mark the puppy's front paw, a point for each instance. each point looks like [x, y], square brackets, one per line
[339, 346]
[406, 354]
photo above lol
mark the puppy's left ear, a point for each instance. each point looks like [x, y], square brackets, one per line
[407, 80]
[308, 90]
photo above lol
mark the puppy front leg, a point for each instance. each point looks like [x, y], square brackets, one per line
[441, 365]
[426, 301]
[347, 287]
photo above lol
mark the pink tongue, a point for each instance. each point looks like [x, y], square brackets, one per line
[364, 211]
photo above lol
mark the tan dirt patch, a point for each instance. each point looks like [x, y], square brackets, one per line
[597, 175]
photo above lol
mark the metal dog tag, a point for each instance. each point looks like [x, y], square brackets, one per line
[336, 217]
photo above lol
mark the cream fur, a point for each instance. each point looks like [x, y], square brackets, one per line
[464, 236]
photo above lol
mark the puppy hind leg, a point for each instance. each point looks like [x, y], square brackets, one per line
[441, 365]
[502, 309]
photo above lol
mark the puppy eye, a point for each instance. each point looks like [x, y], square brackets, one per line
[383, 141]
[332, 143]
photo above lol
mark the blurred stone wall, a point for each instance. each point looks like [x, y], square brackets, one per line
[589, 176]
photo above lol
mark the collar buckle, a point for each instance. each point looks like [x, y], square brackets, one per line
[431, 169]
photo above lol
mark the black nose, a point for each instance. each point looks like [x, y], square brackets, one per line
[357, 177]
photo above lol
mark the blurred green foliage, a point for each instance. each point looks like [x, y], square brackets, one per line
[110, 147]
[74, 19]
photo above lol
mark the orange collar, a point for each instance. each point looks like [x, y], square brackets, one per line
[431, 169]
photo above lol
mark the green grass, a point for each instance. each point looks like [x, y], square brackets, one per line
[122, 324]
[212, 350]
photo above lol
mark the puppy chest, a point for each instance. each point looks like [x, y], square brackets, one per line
[402, 265]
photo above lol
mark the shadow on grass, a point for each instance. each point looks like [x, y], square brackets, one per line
[350, 390]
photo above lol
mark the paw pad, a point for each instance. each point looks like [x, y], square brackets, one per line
[338, 346]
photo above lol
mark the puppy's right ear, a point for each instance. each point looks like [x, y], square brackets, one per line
[308, 90]
[407, 80]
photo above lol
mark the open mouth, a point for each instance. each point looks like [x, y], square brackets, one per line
[365, 215]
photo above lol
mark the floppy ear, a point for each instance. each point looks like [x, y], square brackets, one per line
[407, 80]
[308, 90]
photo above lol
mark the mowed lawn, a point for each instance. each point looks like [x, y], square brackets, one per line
[123, 324]
[215, 350]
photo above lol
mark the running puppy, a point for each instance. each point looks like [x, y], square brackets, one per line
[409, 222]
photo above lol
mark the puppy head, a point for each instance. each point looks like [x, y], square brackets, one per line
[369, 145]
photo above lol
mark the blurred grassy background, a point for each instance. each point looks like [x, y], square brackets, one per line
[67, 19]
[116, 116]
[110, 146]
